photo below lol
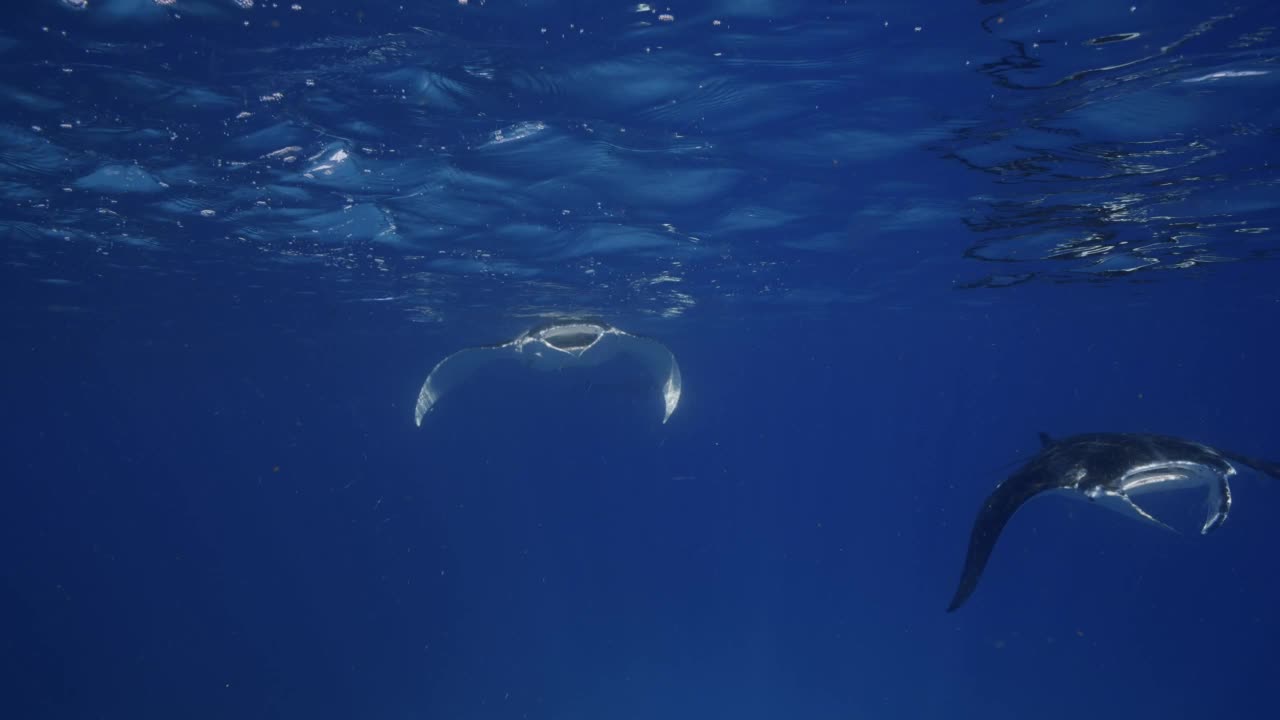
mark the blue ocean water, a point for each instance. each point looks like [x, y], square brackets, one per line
[889, 243]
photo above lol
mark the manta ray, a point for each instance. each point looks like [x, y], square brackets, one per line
[556, 346]
[1108, 469]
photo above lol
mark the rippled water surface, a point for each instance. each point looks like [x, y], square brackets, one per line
[549, 157]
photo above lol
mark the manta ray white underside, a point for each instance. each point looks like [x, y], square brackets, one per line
[556, 347]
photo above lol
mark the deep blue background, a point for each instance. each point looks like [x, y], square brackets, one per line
[248, 523]
[217, 504]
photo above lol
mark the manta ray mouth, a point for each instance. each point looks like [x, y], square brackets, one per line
[579, 341]
[1164, 477]
[573, 338]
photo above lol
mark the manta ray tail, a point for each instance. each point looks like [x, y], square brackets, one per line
[995, 514]
[1267, 467]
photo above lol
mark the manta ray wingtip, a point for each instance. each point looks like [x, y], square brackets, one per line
[967, 585]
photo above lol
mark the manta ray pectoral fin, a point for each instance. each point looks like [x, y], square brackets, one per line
[996, 511]
[454, 370]
[660, 362]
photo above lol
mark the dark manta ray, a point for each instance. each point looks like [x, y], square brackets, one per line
[556, 346]
[1107, 468]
